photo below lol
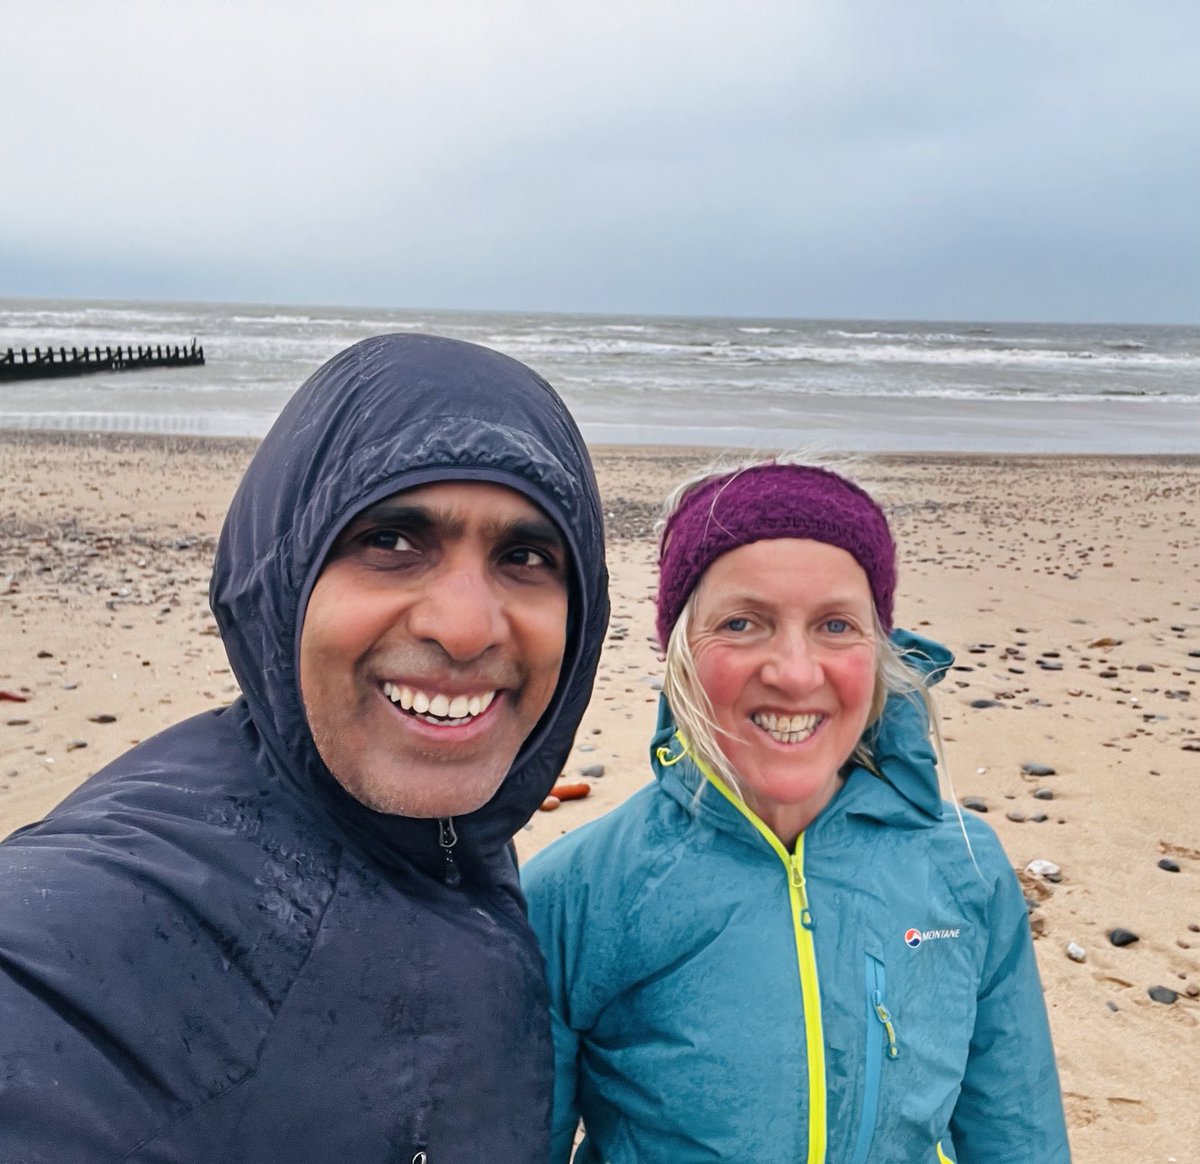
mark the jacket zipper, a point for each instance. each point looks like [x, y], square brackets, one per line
[881, 1044]
[806, 957]
[448, 838]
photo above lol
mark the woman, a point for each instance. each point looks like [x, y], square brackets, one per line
[788, 948]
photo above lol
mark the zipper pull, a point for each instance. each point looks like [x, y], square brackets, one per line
[448, 839]
[885, 1017]
[796, 871]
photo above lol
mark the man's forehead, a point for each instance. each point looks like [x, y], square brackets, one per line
[457, 502]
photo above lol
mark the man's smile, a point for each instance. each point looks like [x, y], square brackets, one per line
[437, 707]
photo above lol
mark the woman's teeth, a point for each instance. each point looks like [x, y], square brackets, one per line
[787, 729]
[438, 707]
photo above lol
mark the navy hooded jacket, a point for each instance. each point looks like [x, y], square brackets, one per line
[210, 951]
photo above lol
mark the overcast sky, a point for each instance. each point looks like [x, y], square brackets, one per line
[917, 159]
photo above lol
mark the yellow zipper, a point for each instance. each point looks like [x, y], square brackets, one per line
[806, 956]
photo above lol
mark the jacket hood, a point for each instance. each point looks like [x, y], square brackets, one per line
[391, 413]
[905, 791]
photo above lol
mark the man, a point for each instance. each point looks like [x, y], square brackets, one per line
[291, 929]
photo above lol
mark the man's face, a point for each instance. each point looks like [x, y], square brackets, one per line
[432, 645]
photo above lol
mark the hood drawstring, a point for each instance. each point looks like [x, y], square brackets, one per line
[451, 874]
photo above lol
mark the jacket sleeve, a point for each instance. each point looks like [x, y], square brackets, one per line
[547, 889]
[1009, 1110]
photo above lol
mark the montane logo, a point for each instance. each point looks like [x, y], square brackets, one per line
[913, 938]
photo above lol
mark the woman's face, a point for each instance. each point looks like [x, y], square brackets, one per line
[783, 639]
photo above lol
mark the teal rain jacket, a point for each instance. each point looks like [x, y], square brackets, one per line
[870, 996]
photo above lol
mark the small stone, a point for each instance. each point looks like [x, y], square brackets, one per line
[1015, 816]
[1194, 927]
[1144, 667]
[1120, 937]
[1034, 769]
[103, 717]
[592, 770]
[1105, 642]
[550, 803]
[1163, 994]
[1112, 1006]
[1043, 794]
[982, 703]
[75, 745]
[1043, 868]
[1039, 817]
[975, 803]
[45, 654]
[1049, 665]
[1169, 865]
[1192, 990]
[1076, 952]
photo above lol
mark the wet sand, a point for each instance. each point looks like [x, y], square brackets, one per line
[1067, 586]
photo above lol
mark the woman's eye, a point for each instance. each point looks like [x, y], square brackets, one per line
[837, 626]
[737, 625]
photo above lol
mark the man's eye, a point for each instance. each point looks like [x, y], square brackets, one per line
[528, 556]
[386, 539]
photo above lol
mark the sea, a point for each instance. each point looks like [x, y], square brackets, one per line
[737, 383]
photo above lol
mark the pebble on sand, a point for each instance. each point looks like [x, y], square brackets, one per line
[1076, 952]
[1169, 865]
[1122, 937]
[975, 803]
[1163, 994]
[1045, 869]
[1032, 768]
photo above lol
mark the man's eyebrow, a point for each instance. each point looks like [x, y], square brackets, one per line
[388, 512]
[531, 529]
[422, 517]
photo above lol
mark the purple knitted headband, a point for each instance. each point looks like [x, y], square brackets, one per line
[772, 501]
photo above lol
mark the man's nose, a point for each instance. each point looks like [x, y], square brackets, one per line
[461, 611]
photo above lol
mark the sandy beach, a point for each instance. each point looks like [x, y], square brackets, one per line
[1067, 587]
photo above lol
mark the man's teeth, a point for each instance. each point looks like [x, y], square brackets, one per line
[438, 706]
[787, 729]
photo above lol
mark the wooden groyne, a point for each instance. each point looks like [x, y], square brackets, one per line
[44, 363]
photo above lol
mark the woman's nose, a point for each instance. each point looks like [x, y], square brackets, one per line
[460, 611]
[793, 666]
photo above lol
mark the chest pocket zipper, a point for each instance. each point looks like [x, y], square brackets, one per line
[881, 1045]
